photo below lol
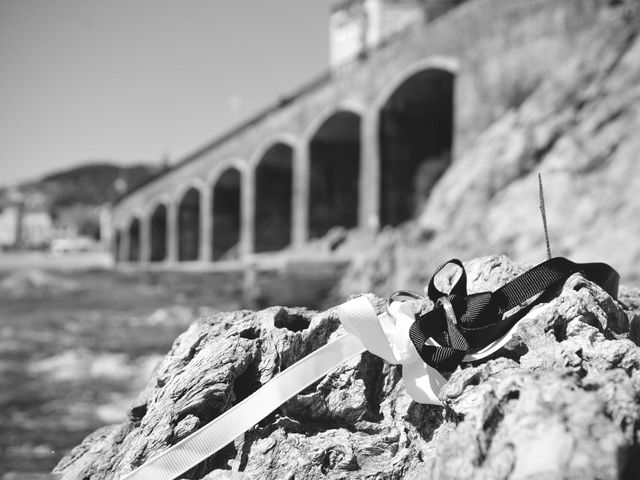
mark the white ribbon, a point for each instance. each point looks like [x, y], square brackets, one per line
[225, 428]
[385, 335]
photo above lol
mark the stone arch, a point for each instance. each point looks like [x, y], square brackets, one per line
[447, 64]
[273, 198]
[285, 138]
[193, 183]
[415, 134]
[334, 172]
[220, 168]
[134, 240]
[227, 214]
[158, 218]
[189, 225]
[347, 106]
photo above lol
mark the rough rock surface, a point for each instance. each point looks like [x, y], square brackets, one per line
[561, 400]
[579, 128]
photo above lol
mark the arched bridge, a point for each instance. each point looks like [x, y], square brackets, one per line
[358, 148]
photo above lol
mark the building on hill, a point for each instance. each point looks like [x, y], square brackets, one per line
[357, 26]
[36, 229]
[25, 223]
[9, 225]
[362, 145]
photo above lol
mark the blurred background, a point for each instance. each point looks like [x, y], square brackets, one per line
[163, 161]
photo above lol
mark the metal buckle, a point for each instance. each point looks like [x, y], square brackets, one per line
[403, 295]
[448, 309]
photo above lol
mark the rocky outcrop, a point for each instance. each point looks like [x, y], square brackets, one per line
[561, 400]
[579, 129]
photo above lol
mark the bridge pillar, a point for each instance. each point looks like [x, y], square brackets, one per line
[114, 245]
[172, 232]
[206, 224]
[369, 214]
[247, 212]
[145, 238]
[300, 200]
[123, 253]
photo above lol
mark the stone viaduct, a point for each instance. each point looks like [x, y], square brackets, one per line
[360, 147]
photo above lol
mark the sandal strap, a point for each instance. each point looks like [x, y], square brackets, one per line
[465, 322]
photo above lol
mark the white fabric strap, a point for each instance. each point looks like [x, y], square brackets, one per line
[387, 336]
[222, 430]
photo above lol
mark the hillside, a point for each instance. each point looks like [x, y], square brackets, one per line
[579, 130]
[89, 184]
[93, 184]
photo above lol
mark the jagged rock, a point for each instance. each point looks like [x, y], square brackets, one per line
[561, 400]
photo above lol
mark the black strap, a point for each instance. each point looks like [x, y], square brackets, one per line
[479, 318]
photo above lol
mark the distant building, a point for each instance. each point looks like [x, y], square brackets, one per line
[24, 224]
[36, 230]
[77, 226]
[356, 26]
[9, 225]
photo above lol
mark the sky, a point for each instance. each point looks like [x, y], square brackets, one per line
[134, 81]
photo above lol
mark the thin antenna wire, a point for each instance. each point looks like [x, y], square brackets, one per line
[544, 215]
